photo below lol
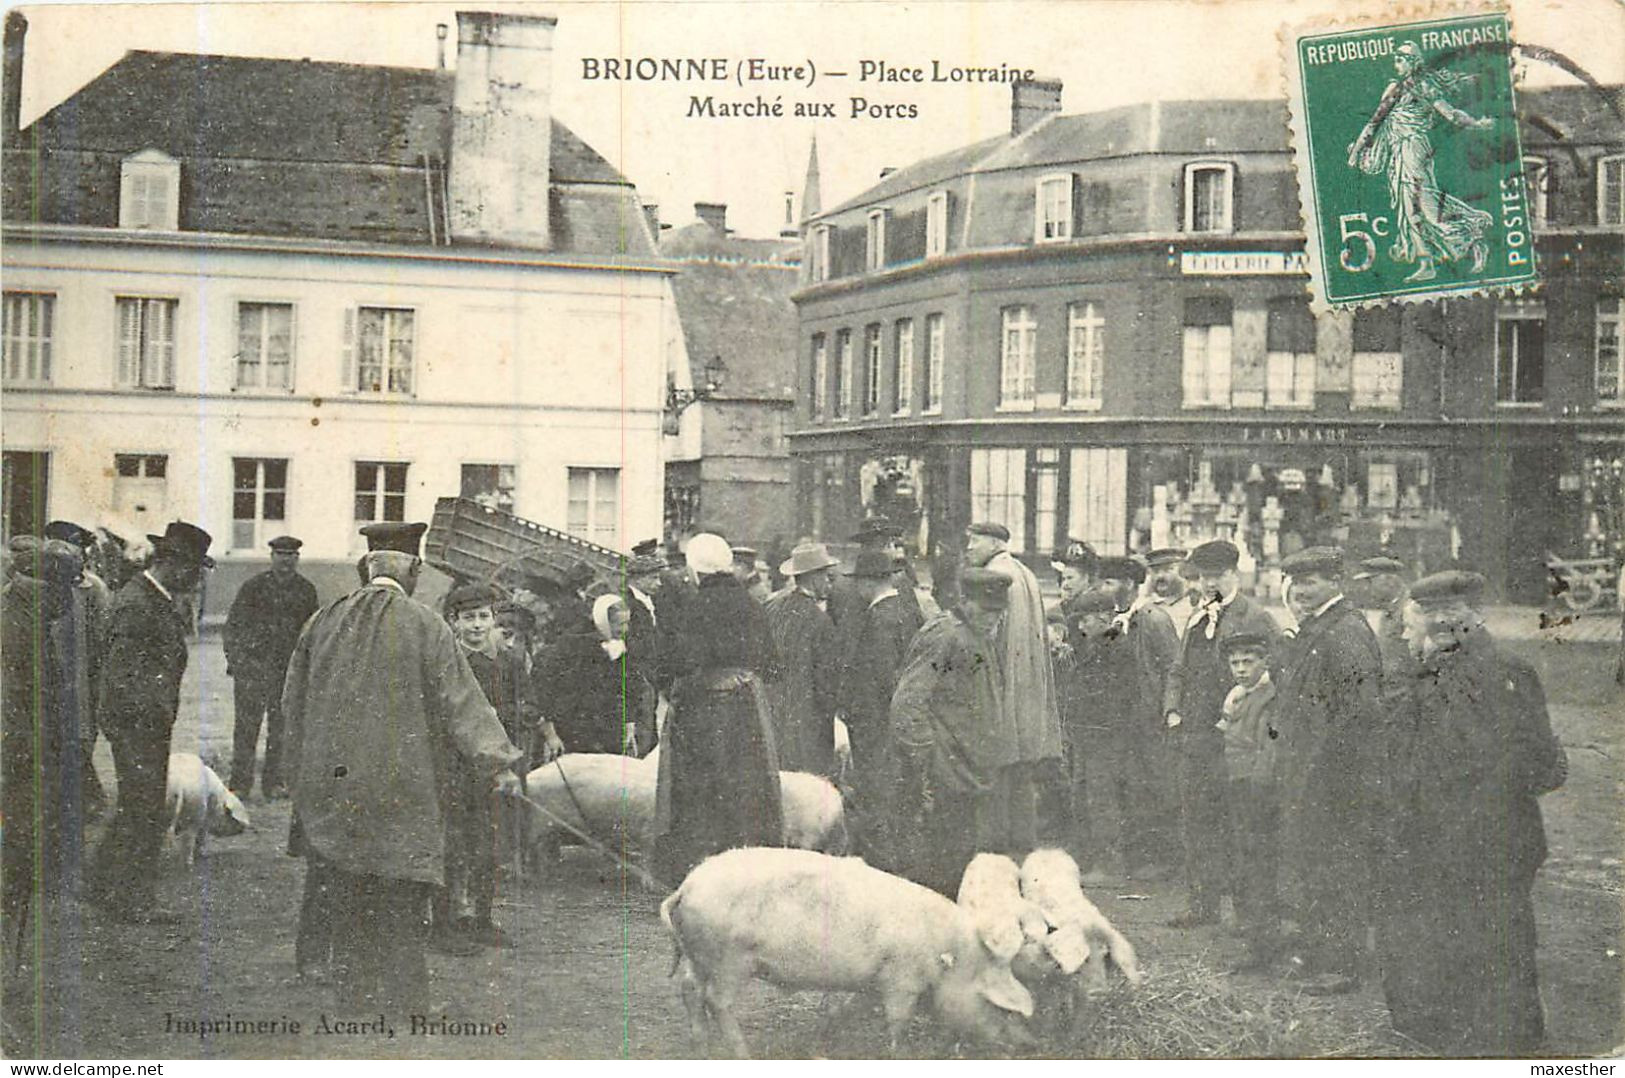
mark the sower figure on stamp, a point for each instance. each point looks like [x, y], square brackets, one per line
[382, 710]
[1430, 226]
[261, 630]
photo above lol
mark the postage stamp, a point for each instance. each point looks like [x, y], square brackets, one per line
[1410, 173]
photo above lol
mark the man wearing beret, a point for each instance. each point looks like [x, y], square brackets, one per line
[1193, 704]
[1331, 782]
[261, 629]
[381, 705]
[138, 699]
[1458, 925]
[1031, 713]
[952, 745]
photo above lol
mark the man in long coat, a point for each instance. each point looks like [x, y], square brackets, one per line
[804, 697]
[1193, 703]
[382, 710]
[92, 603]
[1327, 703]
[877, 642]
[1457, 933]
[138, 700]
[261, 629]
[1030, 712]
[952, 745]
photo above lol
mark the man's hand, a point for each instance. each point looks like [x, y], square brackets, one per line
[506, 784]
[552, 747]
[1174, 719]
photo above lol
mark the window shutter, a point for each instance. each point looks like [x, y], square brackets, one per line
[157, 215]
[1218, 345]
[293, 347]
[347, 373]
[161, 333]
[129, 342]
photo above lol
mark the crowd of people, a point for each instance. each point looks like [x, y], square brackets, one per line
[1359, 778]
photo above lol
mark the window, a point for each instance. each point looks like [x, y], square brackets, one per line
[1085, 354]
[935, 344]
[594, 510]
[259, 500]
[875, 243]
[1208, 197]
[141, 486]
[1054, 218]
[820, 376]
[380, 491]
[903, 367]
[489, 484]
[1382, 485]
[1206, 347]
[1290, 355]
[264, 346]
[1379, 365]
[1520, 353]
[1611, 190]
[1537, 182]
[1046, 499]
[149, 191]
[843, 374]
[998, 490]
[1016, 358]
[936, 224]
[1610, 358]
[381, 342]
[820, 253]
[29, 322]
[24, 493]
[871, 369]
[146, 342]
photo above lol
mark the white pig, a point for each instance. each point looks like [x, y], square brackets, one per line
[198, 804]
[1083, 939]
[799, 920]
[990, 891]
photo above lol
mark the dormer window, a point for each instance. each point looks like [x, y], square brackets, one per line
[1210, 197]
[149, 191]
[936, 224]
[1053, 220]
[875, 257]
[1611, 190]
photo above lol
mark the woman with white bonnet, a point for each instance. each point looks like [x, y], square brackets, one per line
[719, 772]
[581, 677]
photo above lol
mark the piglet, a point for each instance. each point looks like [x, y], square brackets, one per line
[1082, 940]
[198, 804]
[990, 891]
[800, 920]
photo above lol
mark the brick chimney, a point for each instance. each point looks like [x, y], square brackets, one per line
[714, 214]
[1031, 100]
[501, 141]
[16, 33]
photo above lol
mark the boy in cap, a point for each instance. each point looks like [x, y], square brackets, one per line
[1251, 735]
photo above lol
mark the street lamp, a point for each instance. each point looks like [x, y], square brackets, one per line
[679, 399]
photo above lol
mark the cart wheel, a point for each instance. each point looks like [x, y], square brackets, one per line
[1582, 593]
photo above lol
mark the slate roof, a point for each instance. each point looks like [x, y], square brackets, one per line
[733, 300]
[288, 148]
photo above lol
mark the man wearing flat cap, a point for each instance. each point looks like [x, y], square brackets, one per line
[1331, 783]
[138, 699]
[381, 706]
[261, 629]
[1193, 704]
[952, 745]
[803, 700]
[1377, 587]
[1476, 752]
[1031, 712]
[1166, 587]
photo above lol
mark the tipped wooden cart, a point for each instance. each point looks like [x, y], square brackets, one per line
[473, 542]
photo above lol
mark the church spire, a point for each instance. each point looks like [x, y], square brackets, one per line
[811, 200]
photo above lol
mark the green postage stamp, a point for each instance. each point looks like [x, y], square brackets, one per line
[1409, 169]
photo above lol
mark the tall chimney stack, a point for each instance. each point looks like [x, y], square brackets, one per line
[16, 34]
[440, 46]
[502, 128]
[714, 214]
[1031, 100]
[651, 214]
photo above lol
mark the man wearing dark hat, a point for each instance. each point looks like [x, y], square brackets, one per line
[1193, 704]
[877, 642]
[803, 699]
[1030, 711]
[1165, 586]
[137, 702]
[1331, 786]
[261, 629]
[380, 703]
[1465, 836]
[1378, 589]
[92, 602]
[952, 745]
